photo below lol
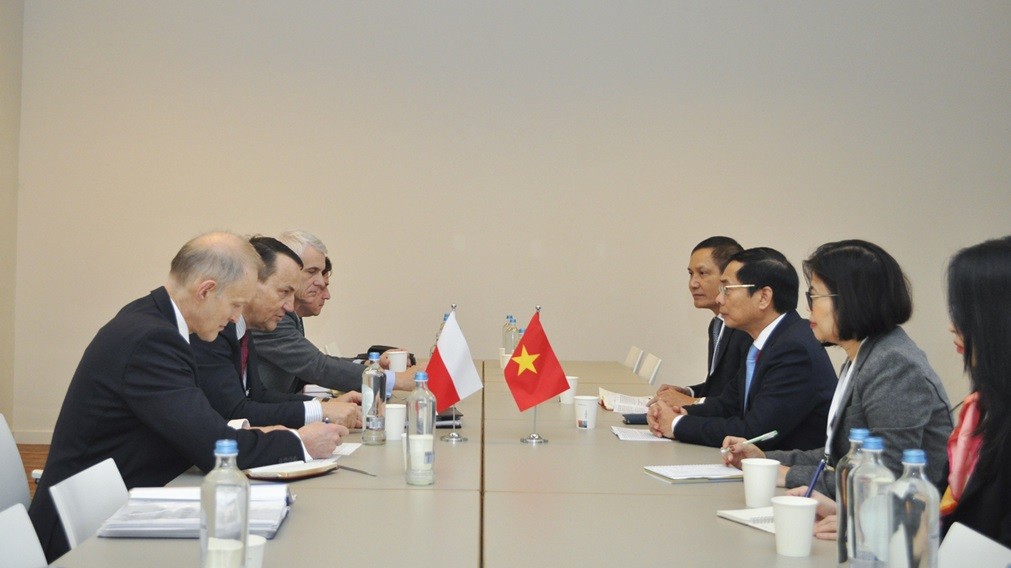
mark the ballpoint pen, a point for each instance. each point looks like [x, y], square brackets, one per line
[339, 466]
[762, 438]
[814, 479]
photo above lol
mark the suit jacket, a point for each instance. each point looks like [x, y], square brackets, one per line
[220, 377]
[894, 393]
[791, 392]
[985, 505]
[288, 361]
[134, 398]
[730, 354]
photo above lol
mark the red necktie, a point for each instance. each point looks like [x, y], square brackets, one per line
[244, 350]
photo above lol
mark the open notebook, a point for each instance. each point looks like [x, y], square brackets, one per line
[696, 473]
[759, 518]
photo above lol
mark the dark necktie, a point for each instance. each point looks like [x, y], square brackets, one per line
[714, 330]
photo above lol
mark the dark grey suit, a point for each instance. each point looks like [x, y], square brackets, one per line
[895, 394]
[730, 354]
[289, 361]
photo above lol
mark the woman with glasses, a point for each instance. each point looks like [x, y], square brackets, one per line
[858, 298]
[979, 451]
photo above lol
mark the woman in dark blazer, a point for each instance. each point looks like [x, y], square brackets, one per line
[979, 303]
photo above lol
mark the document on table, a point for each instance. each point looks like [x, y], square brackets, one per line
[695, 473]
[635, 435]
[759, 518]
[623, 403]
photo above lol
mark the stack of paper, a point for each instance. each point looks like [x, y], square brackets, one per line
[695, 473]
[622, 403]
[174, 512]
[635, 435]
[760, 518]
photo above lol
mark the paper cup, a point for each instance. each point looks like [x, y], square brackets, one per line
[794, 518]
[396, 418]
[254, 551]
[759, 481]
[586, 412]
[568, 397]
[504, 358]
[398, 360]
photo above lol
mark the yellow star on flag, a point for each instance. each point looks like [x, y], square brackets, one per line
[526, 361]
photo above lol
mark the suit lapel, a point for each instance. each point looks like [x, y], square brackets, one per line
[781, 327]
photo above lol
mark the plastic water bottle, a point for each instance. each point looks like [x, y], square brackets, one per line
[438, 334]
[915, 516]
[843, 487]
[420, 436]
[507, 334]
[224, 511]
[374, 403]
[871, 507]
[514, 336]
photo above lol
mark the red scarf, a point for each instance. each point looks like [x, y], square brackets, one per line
[963, 452]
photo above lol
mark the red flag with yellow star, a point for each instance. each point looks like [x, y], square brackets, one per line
[534, 373]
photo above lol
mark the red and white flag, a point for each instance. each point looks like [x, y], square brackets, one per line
[452, 375]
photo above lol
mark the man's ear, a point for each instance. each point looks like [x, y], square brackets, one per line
[765, 297]
[206, 288]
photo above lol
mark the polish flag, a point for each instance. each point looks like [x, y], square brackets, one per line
[452, 376]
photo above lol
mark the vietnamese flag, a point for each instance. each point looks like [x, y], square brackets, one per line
[451, 372]
[534, 374]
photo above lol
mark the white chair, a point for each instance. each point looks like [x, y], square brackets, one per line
[650, 365]
[18, 540]
[13, 483]
[85, 500]
[634, 358]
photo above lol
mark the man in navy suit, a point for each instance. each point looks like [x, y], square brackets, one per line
[228, 372]
[134, 396]
[727, 346]
[787, 381]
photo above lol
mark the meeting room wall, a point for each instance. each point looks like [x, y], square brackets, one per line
[498, 156]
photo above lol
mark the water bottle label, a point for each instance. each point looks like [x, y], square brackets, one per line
[375, 423]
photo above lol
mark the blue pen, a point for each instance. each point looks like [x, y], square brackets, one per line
[814, 480]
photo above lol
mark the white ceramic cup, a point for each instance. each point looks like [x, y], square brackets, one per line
[398, 360]
[568, 397]
[759, 481]
[254, 551]
[586, 412]
[794, 518]
[396, 419]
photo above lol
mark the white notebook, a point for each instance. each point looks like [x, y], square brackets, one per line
[759, 518]
[635, 435]
[696, 473]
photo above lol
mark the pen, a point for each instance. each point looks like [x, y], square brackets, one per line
[814, 479]
[355, 470]
[762, 438]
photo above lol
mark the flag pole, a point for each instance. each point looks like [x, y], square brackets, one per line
[453, 437]
[535, 438]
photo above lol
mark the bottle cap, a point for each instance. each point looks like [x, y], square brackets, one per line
[915, 457]
[859, 434]
[226, 447]
[873, 443]
[374, 356]
[421, 376]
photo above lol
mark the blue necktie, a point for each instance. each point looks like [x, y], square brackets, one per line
[750, 364]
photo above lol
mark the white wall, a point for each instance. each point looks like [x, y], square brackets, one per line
[499, 156]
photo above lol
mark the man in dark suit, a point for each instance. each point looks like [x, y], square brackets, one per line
[228, 372]
[787, 381]
[727, 346]
[134, 396]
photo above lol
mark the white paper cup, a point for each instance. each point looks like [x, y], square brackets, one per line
[398, 360]
[568, 397]
[503, 357]
[396, 419]
[586, 412]
[254, 551]
[223, 552]
[759, 481]
[794, 518]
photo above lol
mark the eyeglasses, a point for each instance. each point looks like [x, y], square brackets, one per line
[812, 297]
[724, 287]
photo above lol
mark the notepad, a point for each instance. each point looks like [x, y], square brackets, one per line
[623, 403]
[635, 435]
[759, 518]
[695, 473]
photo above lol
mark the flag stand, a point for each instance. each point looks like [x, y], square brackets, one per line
[453, 437]
[534, 438]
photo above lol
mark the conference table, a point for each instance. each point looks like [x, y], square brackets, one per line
[581, 499]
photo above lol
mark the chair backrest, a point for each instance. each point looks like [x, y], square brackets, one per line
[85, 500]
[13, 482]
[650, 365]
[634, 358]
[18, 540]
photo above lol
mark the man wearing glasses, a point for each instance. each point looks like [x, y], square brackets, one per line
[787, 381]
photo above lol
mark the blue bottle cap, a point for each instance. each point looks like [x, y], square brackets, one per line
[859, 434]
[226, 448]
[421, 376]
[915, 457]
[374, 356]
[873, 443]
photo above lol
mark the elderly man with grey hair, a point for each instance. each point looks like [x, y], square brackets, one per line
[287, 360]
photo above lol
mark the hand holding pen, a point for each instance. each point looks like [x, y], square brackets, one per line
[735, 449]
